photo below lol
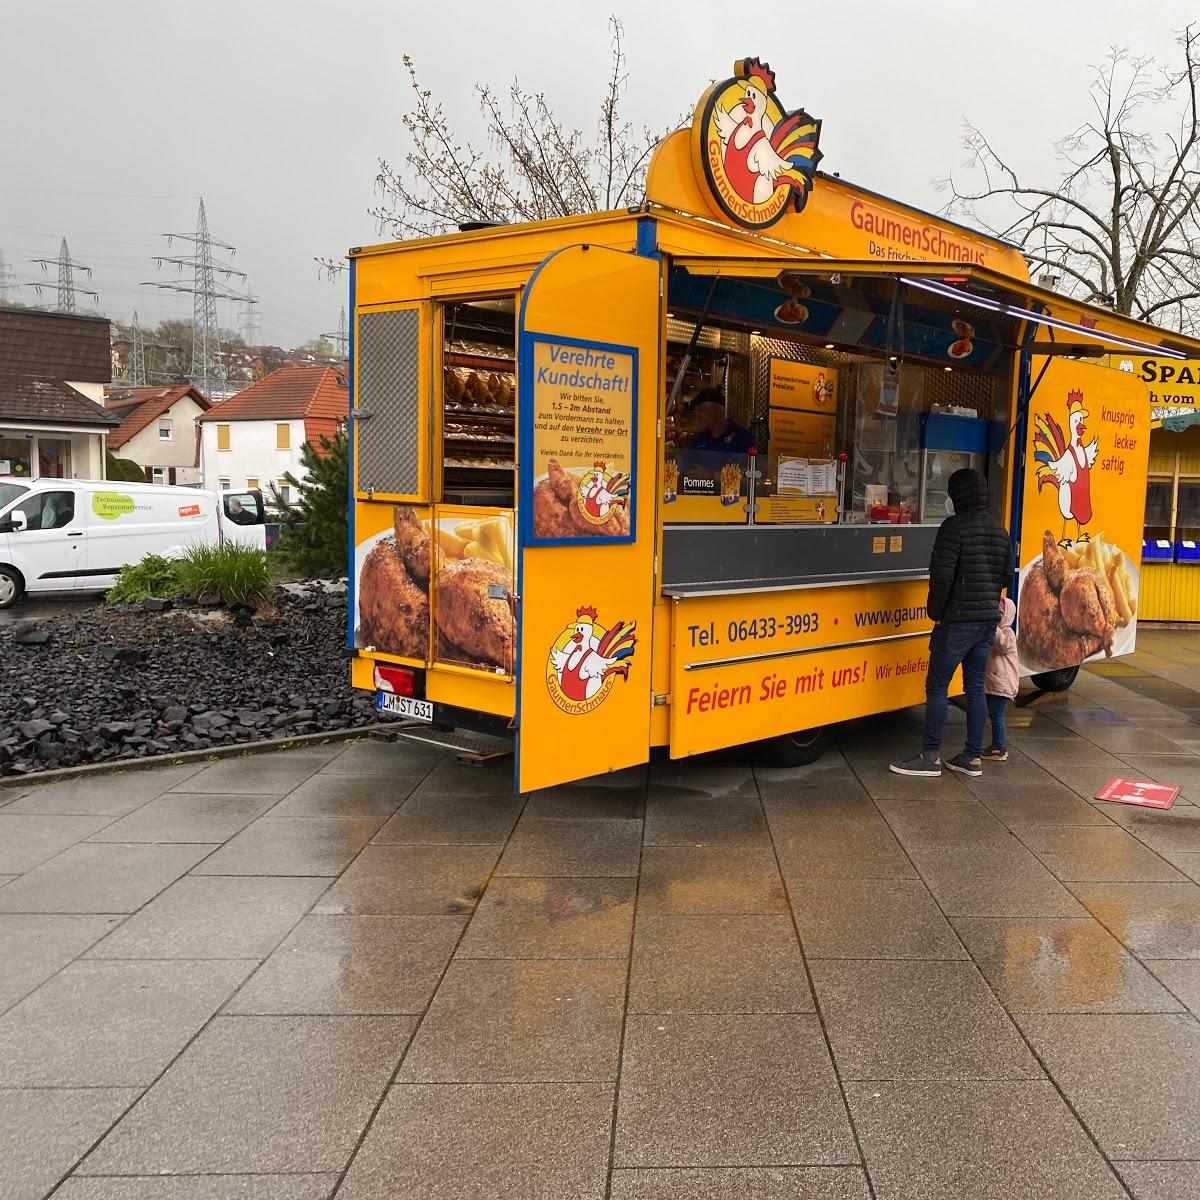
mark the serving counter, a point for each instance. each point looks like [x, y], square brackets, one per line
[706, 560]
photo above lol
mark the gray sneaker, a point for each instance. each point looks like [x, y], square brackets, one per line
[964, 765]
[918, 765]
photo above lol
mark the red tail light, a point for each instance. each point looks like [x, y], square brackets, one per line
[400, 680]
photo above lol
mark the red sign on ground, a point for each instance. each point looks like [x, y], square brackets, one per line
[1132, 791]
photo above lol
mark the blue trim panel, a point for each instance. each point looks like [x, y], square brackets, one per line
[647, 238]
[1018, 448]
[351, 439]
[527, 340]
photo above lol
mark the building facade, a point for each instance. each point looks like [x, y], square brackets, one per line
[159, 430]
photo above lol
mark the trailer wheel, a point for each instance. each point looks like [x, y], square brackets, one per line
[1056, 681]
[796, 749]
[11, 586]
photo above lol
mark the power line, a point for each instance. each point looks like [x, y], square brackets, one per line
[67, 290]
[8, 281]
[251, 327]
[341, 338]
[207, 366]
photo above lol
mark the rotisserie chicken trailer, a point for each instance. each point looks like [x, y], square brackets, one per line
[560, 535]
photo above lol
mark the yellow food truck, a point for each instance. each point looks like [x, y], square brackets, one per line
[670, 476]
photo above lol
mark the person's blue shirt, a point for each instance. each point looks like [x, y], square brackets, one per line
[733, 440]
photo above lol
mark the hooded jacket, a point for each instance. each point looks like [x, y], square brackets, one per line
[972, 558]
[1002, 676]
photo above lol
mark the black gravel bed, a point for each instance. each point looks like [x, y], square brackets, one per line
[125, 681]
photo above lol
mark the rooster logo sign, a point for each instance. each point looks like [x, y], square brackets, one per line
[586, 660]
[600, 491]
[755, 157]
[1065, 463]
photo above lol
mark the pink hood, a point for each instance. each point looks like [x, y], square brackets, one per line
[1002, 677]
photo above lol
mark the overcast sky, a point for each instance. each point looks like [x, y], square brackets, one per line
[120, 115]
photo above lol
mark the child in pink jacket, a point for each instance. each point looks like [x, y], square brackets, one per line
[1000, 680]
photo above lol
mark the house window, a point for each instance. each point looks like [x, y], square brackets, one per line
[251, 482]
[164, 431]
[222, 437]
[285, 493]
[224, 484]
[283, 437]
[158, 475]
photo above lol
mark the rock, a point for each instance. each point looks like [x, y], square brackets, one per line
[114, 729]
[35, 729]
[331, 708]
[157, 604]
[303, 715]
[58, 718]
[127, 656]
[280, 721]
[176, 712]
[210, 600]
[30, 635]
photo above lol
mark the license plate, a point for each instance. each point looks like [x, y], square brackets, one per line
[404, 706]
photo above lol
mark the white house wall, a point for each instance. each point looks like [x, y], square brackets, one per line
[251, 454]
[147, 449]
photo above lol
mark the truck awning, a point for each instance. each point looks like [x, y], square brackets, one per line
[1064, 326]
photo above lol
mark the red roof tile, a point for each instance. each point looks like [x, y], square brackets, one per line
[291, 393]
[138, 407]
[47, 345]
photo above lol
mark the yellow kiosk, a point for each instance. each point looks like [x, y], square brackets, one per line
[671, 476]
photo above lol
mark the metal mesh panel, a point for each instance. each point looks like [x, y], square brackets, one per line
[389, 445]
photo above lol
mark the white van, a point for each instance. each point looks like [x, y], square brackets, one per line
[74, 535]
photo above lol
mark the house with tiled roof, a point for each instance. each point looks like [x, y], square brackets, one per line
[253, 439]
[158, 430]
[53, 368]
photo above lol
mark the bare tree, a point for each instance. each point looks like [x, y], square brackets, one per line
[534, 167]
[1122, 224]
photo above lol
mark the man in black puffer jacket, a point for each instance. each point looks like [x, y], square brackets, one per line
[971, 564]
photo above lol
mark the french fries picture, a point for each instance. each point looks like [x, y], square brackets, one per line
[488, 538]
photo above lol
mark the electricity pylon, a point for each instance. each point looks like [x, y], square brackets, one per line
[67, 267]
[341, 338]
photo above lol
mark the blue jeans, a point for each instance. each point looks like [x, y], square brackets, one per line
[953, 643]
[996, 706]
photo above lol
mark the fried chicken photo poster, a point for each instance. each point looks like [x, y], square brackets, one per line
[582, 410]
[424, 583]
[1081, 527]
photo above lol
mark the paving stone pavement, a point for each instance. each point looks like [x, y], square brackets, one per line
[368, 971]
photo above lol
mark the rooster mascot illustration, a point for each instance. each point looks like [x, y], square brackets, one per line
[1066, 463]
[758, 154]
[586, 661]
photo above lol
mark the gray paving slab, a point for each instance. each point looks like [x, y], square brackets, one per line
[292, 846]
[1175, 831]
[29, 839]
[440, 820]
[1162, 1180]
[96, 878]
[372, 757]
[111, 795]
[33, 946]
[713, 880]
[213, 917]
[259, 1095]
[1182, 977]
[717, 964]
[985, 1140]
[112, 1024]
[1131, 1078]
[183, 817]
[43, 1132]
[567, 917]
[727, 1091]
[1181, 770]
[520, 1022]
[449, 777]
[412, 880]
[740, 1183]
[480, 1142]
[863, 848]
[541, 846]
[683, 816]
[200, 1187]
[1187, 864]
[792, 809]
[1154, 920]
[1062, 965]
[943, 823]
[992, 881]
[1087, 853]
[324, 795]
[917, 1020]
[1050, 803]
[373, 965]
[871, 918]
[721, 774]
[602, 799]
[265, 774]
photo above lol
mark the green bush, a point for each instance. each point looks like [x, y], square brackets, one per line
[234, 572]
[153, 576]
[122, 470]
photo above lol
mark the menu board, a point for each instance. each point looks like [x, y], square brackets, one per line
[807, 477]
[802, 417]
[582, 407]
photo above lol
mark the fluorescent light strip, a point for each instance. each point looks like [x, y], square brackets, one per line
[995, 306]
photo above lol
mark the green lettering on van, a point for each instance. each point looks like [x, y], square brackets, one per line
[108, 506]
